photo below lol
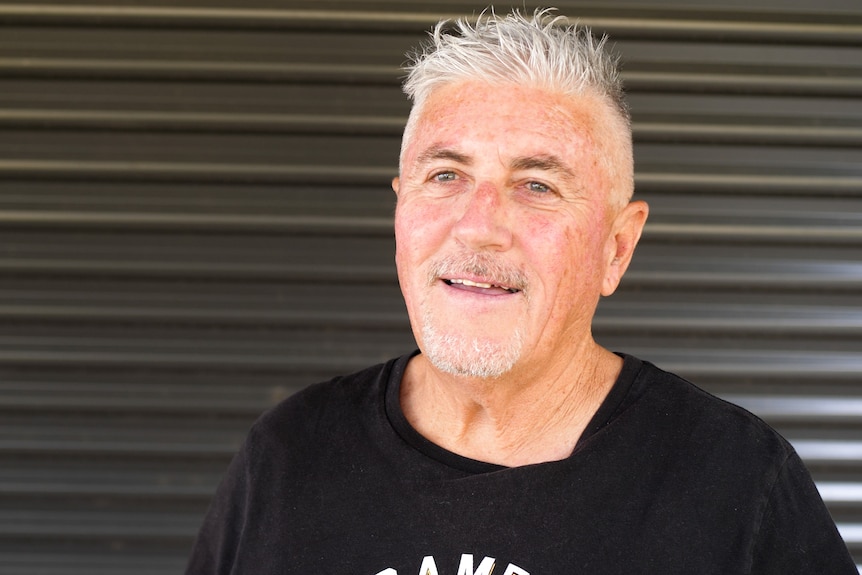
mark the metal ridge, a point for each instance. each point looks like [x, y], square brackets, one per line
[665, 23]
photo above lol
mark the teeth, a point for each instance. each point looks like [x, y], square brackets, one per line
[471, 283]
[478, 284]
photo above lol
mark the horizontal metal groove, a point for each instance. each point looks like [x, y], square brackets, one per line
[151, 399]
[234, 18]
[188, 70]
[750, 134]
[754, 363]
[195, 172]
[160, 525]
[840, 492]
[104, 446]
[380, 227]
[752, 233]
[644, 131]
[837, 452]
[770, 371]
[49, 561]
[837, 32]
[852, 534]
[833, 276]
[818, 409]
[293, 224]
[780, 280]
[694, 364]
[849, 85]
[134, 120]
[192, 270]
[652, 181]
[160, 344]
[67, 399]
[767, 184]
[112, 481]
[720, 318]
[666, 24]
[799, 84]
[38, 486]
[236, 316]
[285, 362]
[653, 317]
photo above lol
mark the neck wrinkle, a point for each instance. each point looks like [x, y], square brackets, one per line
[524, 424]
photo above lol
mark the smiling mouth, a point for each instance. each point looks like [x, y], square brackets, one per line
[479, 286]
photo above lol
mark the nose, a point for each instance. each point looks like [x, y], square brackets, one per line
[483, 223]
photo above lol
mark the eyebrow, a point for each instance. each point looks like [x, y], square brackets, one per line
[548, 163]
[441, 153]
[544, 162]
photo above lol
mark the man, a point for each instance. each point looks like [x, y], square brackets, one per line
[513, 442]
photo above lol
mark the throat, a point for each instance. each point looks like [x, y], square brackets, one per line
[538, 423]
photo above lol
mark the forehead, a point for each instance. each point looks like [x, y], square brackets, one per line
[516, 120]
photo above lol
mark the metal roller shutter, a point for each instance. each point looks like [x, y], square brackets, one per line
[195, 222]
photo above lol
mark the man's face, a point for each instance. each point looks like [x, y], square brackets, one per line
[504, 226]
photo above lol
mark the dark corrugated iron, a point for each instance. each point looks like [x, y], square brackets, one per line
[195, 222]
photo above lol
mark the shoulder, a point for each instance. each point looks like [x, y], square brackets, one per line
[693, 404]
[706, 426]
[709, 450]
[342, 402]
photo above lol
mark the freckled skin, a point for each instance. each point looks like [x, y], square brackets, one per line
[519, 174]
[558, 241]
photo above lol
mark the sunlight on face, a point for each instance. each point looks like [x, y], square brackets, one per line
[503, 226]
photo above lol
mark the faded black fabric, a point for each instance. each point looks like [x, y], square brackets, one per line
[666, 479]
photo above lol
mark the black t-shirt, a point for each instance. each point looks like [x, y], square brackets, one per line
[666, 479]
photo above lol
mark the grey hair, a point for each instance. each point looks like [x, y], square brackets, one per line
[541, 51]
[534, 51]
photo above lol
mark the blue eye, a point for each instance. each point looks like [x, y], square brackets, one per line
[444, 177]
[538, 187]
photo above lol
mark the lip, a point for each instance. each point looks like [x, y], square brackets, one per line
[481, 286]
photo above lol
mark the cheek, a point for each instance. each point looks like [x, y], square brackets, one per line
[419, 230]
[411, 224]
[569, 254]
[544, 239]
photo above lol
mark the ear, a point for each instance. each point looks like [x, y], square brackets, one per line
[627, 229]
[396, 184]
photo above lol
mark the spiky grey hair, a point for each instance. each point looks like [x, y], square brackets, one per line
[541, 50]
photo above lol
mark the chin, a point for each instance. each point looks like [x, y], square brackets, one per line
[466, 356]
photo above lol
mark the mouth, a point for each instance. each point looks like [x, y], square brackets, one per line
[479, 274]
[480, 287]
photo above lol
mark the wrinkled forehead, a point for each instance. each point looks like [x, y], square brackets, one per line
[539, 117]
[474, 104]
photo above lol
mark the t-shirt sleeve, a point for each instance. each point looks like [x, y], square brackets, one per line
[797, 534]
[215, 548]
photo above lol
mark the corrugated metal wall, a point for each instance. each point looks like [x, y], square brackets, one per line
[195, 222]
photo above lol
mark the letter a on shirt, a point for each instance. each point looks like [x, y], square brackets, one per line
[466, 566]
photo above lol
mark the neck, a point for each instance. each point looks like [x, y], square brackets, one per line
[527, 416]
